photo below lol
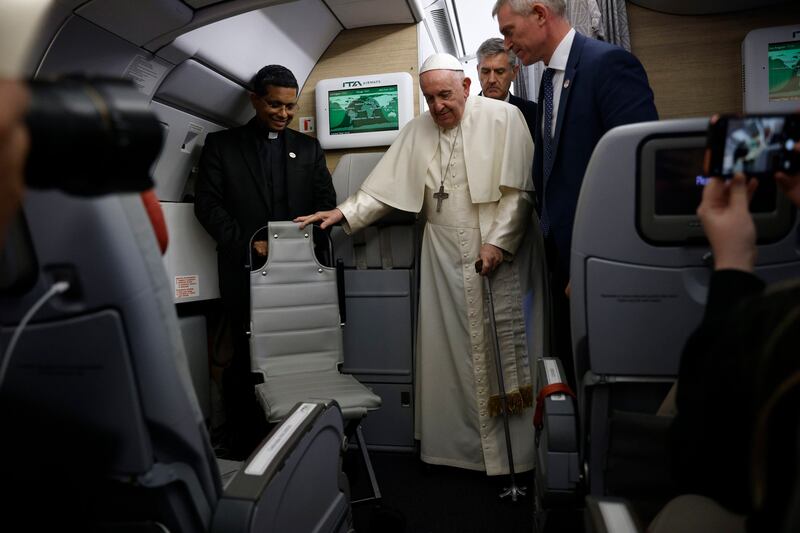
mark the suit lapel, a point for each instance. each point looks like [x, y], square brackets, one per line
[538, 142]
[566, 89]
[250, 155]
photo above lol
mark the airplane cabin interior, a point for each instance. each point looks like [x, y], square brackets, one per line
[115, 335]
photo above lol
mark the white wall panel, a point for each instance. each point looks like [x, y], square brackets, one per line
[191, 257]
[185, 137]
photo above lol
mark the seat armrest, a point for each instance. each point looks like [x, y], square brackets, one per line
[610, 515]
[243, 495]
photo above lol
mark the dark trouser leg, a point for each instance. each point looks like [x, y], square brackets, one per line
[244, 418]
[243, 414]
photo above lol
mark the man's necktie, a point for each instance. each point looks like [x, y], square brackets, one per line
[547, 138]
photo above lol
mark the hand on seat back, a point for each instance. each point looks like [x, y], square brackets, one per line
[328, 218]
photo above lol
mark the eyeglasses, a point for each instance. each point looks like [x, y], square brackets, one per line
[277, 106]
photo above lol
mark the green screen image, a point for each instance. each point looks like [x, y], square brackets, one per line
[363, 110]
[784, 71]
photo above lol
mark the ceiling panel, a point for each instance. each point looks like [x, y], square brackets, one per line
[140, 21]
[294, 35]
[358, 13]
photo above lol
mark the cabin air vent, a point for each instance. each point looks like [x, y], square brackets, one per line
[744, 80]
[440, 28]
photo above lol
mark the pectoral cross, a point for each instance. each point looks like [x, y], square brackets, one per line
[441, 195]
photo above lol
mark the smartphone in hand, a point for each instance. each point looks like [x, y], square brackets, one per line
[756, 145]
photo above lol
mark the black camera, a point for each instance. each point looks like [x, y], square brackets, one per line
[91, 136]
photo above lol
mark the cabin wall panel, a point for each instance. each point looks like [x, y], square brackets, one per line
[356, 52]
[183, 141]
[694, 62]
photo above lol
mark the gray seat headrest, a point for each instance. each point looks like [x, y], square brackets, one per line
[351, 172]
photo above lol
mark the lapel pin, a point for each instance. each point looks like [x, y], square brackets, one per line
[292, 155]
[566, 84]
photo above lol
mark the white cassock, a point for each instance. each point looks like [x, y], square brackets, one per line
[456, 396]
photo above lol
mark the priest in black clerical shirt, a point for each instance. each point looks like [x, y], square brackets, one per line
[250, 175]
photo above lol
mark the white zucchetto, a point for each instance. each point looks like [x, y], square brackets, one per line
[441, 62]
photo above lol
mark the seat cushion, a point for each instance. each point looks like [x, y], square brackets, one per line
[692, 513]
[278, 395]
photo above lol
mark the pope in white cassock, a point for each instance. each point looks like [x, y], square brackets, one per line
[466, 167]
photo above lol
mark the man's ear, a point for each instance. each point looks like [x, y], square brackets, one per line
[253, 99]
[516, 71]
[541, 13]
[467, 83]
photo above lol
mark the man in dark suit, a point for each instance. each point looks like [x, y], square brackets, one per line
[497, 68]
[248, 176]
[589, 87]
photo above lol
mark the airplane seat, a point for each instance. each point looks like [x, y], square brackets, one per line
[639, 276]
[296, 333]
[387, 244]
[380, 298]
[770, 467]
[95, 389]
[687, 513]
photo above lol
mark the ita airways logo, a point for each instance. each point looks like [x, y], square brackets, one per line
[359, 83]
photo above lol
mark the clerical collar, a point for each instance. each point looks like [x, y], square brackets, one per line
[265, 132]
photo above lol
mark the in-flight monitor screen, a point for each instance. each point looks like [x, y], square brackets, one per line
[679, 182]
[363, 110]
[784, 71]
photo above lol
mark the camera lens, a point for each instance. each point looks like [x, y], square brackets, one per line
[91, 136]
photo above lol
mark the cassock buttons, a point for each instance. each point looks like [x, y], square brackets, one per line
[292, 155]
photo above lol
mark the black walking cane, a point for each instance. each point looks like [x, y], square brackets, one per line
[513, 490]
